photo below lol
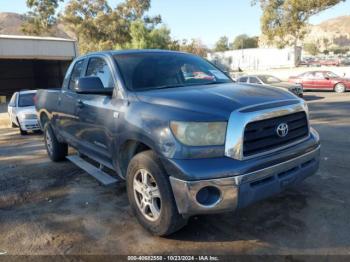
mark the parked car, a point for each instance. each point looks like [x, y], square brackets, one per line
[309, 62]
[322, 80]
[345, 61]
[185, 146]
[330, 62]
[22, 111]
[269, 80]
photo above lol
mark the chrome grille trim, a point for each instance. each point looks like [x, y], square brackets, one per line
[241, 117]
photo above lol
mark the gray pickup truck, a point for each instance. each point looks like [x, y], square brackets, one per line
[184, 136]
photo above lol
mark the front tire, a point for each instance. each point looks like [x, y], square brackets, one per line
[339, 88]
[21, 131]
[150, 195]
[56, 151]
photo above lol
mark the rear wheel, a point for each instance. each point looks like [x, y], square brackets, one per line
[57, 151]
[339, 88]
[150, 195]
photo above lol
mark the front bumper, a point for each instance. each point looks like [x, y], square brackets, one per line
[242, 190]
[29, 124]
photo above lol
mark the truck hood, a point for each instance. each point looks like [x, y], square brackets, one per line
[220, 99]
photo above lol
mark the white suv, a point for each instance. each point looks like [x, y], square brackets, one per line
[22, 111]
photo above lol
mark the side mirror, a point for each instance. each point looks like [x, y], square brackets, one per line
[327, 78]
[92, 85]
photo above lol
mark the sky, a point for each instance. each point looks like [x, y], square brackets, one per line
[204, 19]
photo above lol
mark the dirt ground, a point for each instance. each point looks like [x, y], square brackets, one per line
[55, 208]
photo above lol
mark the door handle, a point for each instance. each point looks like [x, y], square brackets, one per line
[80, 104]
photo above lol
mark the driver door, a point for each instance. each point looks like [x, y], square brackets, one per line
[96, 111]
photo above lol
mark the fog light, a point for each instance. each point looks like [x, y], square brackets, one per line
[208, 196]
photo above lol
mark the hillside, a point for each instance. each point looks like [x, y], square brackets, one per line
[339, 24]
[336, 30]
[10, 24]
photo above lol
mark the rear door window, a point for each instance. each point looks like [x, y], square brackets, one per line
[308, 75]
[76, 74]
[319, 75]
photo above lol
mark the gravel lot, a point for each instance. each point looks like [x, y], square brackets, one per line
[55, 208]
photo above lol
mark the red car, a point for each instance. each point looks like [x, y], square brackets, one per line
[330, 62]
[322, 80]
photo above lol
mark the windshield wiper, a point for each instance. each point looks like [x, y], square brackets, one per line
[169, 86]
[182, 85]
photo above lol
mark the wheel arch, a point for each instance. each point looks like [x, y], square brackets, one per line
[127, 151]
[43, 119]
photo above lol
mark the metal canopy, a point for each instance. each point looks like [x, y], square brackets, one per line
[41, 48]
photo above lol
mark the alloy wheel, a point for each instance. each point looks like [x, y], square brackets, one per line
[147, 195]
[48, 142]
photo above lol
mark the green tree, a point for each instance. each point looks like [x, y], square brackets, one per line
[42, 16]
[244, 41]
[339, 50]
[326, 43]
[284, 22]
[311, 48]
[222, 44]
[98, 27]
[143, 36]
[194, 46]
[90, 21]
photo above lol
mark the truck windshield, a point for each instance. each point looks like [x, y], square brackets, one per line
[157, 70]
[26, 100]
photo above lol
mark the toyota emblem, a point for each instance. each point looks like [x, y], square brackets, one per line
[282, 130]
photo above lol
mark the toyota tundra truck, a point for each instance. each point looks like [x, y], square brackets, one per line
[183, 136]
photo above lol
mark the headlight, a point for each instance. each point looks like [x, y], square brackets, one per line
[199, 133]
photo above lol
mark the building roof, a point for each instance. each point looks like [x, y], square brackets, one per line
[33, 47]
[29, 37]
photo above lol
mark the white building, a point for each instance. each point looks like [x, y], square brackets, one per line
[256, 58]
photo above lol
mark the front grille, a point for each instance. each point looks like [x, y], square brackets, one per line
[261, 136]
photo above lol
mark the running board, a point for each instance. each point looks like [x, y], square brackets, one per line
[97, 173]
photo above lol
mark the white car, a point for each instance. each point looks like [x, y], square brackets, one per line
[22, 111]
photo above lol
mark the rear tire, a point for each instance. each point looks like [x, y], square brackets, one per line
[339, 88]
[162, 218]
[56, 151]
